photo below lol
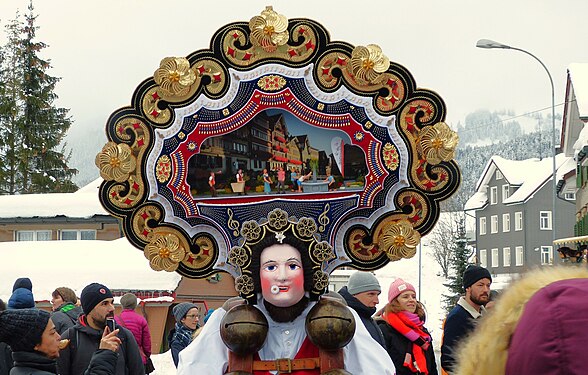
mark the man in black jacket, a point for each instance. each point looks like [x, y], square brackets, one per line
[85, 336]
[462, 318]
[361, 294]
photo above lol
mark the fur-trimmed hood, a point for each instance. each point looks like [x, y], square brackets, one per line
[486, 350]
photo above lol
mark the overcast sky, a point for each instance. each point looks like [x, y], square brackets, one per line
[104, 49]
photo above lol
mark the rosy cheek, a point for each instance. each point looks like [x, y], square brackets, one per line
[265, 283]
[298, 280]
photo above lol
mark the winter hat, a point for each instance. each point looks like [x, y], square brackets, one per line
[362, 282]
[128, 301]
[180, 310]
[92, 295]
[22, 329]
[67, 295]
[23, 282]
[397, 287]
[21, 298]
[474, 273]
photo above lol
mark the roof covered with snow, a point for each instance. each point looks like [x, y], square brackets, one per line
[526, 175]
[84, 203]
[75, 264]
[579, 77]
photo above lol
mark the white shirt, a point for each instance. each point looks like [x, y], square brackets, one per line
[207, 354]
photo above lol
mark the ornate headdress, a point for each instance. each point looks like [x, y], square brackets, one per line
[201, 114]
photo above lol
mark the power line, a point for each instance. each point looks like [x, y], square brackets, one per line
[508, 119]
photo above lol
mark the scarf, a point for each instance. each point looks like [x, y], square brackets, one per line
[411, 327]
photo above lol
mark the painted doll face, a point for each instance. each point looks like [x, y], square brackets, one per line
[282, 277]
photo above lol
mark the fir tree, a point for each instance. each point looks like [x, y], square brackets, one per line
[34, 151]
[458, 263]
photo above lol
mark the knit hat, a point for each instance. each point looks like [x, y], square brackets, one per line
[22, 329]
[362, 282]
[67, 295]
[23, 282]
[92, 295]
[128, 301]
[180, 310]
[21, 298]
[398, 287]
[474, 273]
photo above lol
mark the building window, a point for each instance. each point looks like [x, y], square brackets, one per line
[495, 257]
[506, 222]
[570, 196]
[499, 175]
[33, 235]
[518, 221]
[518, 256]
[506, 257]
[494, 224]
[72, 234]
[546, 255]
[545, 220]
[505, 192]
[482, 226]
[493, 195]
[483, 258]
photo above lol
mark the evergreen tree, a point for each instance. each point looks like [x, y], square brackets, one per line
[35, 154]
[458, 263]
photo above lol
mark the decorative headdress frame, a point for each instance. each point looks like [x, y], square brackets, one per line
[203, 110]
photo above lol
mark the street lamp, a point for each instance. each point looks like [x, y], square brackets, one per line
[490, 44]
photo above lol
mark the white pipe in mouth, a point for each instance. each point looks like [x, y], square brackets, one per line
[275, 289]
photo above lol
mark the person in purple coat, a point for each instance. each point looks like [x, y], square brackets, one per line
[135, 323]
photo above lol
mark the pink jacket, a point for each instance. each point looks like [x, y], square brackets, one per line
[138, 326]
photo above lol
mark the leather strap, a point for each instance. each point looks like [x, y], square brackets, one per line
[286, 365]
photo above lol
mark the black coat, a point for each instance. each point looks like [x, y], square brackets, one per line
[85, 340]
[64, 320]
[32, 363]
[365, 313]
[397, 346]
[5, 358]
[457, 325]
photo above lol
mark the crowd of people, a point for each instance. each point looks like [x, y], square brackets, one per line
[272, 181]
[75, 338]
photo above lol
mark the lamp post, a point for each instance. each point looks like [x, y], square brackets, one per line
[490, 44]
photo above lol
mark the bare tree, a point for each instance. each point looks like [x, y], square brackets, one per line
[443, 237]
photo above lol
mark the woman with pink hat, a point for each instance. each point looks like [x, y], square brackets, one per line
[407, 340]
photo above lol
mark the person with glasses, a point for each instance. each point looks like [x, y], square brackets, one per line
[186, 315]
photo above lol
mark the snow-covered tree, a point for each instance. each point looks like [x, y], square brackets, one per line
[459, 261]
[32, 154]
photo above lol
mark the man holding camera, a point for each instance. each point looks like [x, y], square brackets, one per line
[85, 336]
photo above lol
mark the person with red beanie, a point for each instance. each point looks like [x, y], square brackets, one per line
[407, 340]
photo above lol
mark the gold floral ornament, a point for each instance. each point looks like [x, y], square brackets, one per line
[116, 162]
[320, 280]
[269, 30]
[367, 63]
[323, 251]
[174, 76]
[306, 227]
[399, 240]
[437, 143]
[251, 230]
[278, 219]
[165, 252]
[390, 155]
[238, 256]
[244, 284]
